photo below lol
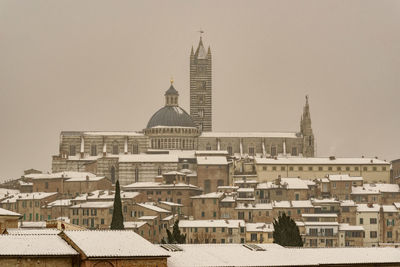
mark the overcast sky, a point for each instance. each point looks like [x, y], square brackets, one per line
[105, 65]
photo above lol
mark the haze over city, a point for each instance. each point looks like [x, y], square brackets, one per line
[98, 65]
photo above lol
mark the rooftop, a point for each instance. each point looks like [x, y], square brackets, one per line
[212, 160]
[321, 161]
[212, 223]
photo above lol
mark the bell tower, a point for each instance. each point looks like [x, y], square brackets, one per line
[200, 87]
[306, 131]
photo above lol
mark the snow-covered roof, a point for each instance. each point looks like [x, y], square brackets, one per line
[289, 183]
[257, 206]
[228, 198]
[245, 190]
[148, 158]
[347, 203]
[389, 208]
[40, 231]
[94, 205]
[66, 175]
[344, 177]
[105, 195]
[211, 152]
[4, 192]
[302, 204]
[148, 217]
[28, 196]
[368, 208]
[152, 206]
[235, 255]
[211, 160]
[319, 215]
[347, 227]
[210, 195]
[32, 225]
[211, 223]
[133, 225]
[320, 161]
[281, 204]
[324, 201]
[321, 223]
[34, 245]
[113, 243]
[397, 205]
[246, 182]
[259, 227]
[250, 134]
[112, 133]
[60, 203]
[154, 185]
[4, 212]
[375, 189]
[172, 204]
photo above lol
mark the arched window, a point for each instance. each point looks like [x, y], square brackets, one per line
[158, 143]
[273, 151]
[183, 144]
[294, 151]
[251, 151]
[208, 146]
[115, 148]
[220, 182]
[310, 140]
[135, 149]
[113, 175]
[72, 150]
[93, 150]
[229, 149]
[136, 175]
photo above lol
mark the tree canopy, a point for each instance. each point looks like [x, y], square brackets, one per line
[175, 237]
[117, 222]
[286, 232]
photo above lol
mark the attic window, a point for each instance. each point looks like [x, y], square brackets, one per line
[253, 247]
[171, 247]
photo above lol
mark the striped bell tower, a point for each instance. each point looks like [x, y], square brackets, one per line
[200, 87]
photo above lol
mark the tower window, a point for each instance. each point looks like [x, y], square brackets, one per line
[208, 147]
[229, 148]
[136, 175]
[135, 149]
[115, 149]
[93, 150]
[294, 151]
[251, 151]
[72, 150]
[273, 151]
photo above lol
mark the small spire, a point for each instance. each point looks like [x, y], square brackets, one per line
[306, 99]
[191, 52]
[172, 80]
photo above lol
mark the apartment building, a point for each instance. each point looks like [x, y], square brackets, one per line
[259, 233]
[206, 206]
[351, 235]
[368, 216]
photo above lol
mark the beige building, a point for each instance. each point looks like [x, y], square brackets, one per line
[368, 217]
[8, 219]
[371, 169]
[259, 233]
[213, 231]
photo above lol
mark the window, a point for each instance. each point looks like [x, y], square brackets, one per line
[214, 214]
[46, 185]
[334, 185]
[329, 168]
[373, 221]
[253, 237]
[389, 234]
[115, 149]
[240, 215]
[159, 171]
[365, 169]
[113, 175]
[135, 149]
[251, 151]
[373, 234]
[222, 241]
[136, 174]
[283, 168]
[273, 151]
[208, 146]
[361, 221]
[290, 168]
[320, 169]
[229, 148]
[310, 168]
[72, 150]
[356, 168]
[374, 169]
[274, 168]
[202, 214]
[313, 231]
[294, 151]
[102, 221]
[207, 186]
[300, 168]
[223, 230]
[339, 168]
[383, 168]
[93, 150]
[347, 168]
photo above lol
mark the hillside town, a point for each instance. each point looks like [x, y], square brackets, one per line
[223, 192]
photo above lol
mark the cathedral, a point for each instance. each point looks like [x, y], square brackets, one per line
[172, 137]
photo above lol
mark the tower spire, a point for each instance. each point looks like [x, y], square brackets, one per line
[306, 131]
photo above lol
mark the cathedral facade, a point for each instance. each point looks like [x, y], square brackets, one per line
[172, 136]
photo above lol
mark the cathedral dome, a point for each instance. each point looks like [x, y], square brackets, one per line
[171, 115]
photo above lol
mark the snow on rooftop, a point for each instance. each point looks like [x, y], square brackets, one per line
[113, 243]
[302, 204]
[133, 225]
[60, 203]
[375, 189]
[152, 206]
[155, 185]
[4, 212]
[257, 206]
[347, 203]
[344, 177]
[34, 245]
[319, 161]
[321, 223]
[212, 223]
[211, 152]
[347, 227]
[28, 196]
[324, 201]
[246, 190]
[148, 217]
[4, 192]
[228, 198]
[259, 227]
[172, 204]
[281, 204]
[250, 134]
[66, 174]
[94, 205]
[211, 160]
[32, 225]
[149, 158]
[112, 133]
[319, 215]
[210, 195]
[40, 231]
[368, 208]
[389, 208]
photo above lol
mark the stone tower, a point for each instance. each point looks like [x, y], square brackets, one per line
[306, 131]
[200, 87]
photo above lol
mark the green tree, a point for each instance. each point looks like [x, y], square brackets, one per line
[175, 237]
[286, 232]
[117, 222]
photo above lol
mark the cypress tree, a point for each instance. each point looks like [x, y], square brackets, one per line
[175, 237]
[286, 232]
[117, 222]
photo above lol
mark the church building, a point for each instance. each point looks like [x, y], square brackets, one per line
[172, 136]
